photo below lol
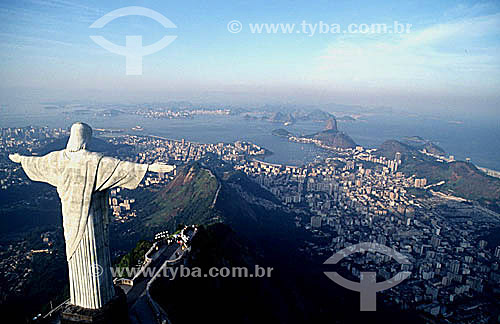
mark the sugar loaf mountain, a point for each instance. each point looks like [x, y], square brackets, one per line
[330, 136]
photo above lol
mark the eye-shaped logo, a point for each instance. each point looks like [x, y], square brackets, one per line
[368, 285]
[133, 49]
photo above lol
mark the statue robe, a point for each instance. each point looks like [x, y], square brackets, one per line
[82, 179]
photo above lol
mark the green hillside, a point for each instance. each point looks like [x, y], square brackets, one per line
[136, 256]
[187, 199]
[389, 148]
[461, 179]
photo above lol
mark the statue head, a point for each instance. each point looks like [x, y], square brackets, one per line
[79, 138]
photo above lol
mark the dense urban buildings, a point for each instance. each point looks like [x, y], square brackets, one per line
[351, 196]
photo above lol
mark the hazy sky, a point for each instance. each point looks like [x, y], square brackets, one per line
[450, 58]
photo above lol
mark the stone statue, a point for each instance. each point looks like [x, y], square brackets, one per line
[83, 179]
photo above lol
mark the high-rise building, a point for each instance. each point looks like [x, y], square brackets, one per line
[420, 183]
[497, 252]
[398, 157]
[455, 266]
[435, 241]
[316, 222]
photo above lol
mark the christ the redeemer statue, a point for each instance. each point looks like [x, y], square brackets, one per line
[83, 179]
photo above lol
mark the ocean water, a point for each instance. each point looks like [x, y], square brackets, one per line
[475, 138]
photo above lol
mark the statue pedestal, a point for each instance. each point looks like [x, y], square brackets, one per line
[115, 311]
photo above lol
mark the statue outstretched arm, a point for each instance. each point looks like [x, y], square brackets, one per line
[16, 158]
[161, 168]
[39, 168]
[115, 173]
